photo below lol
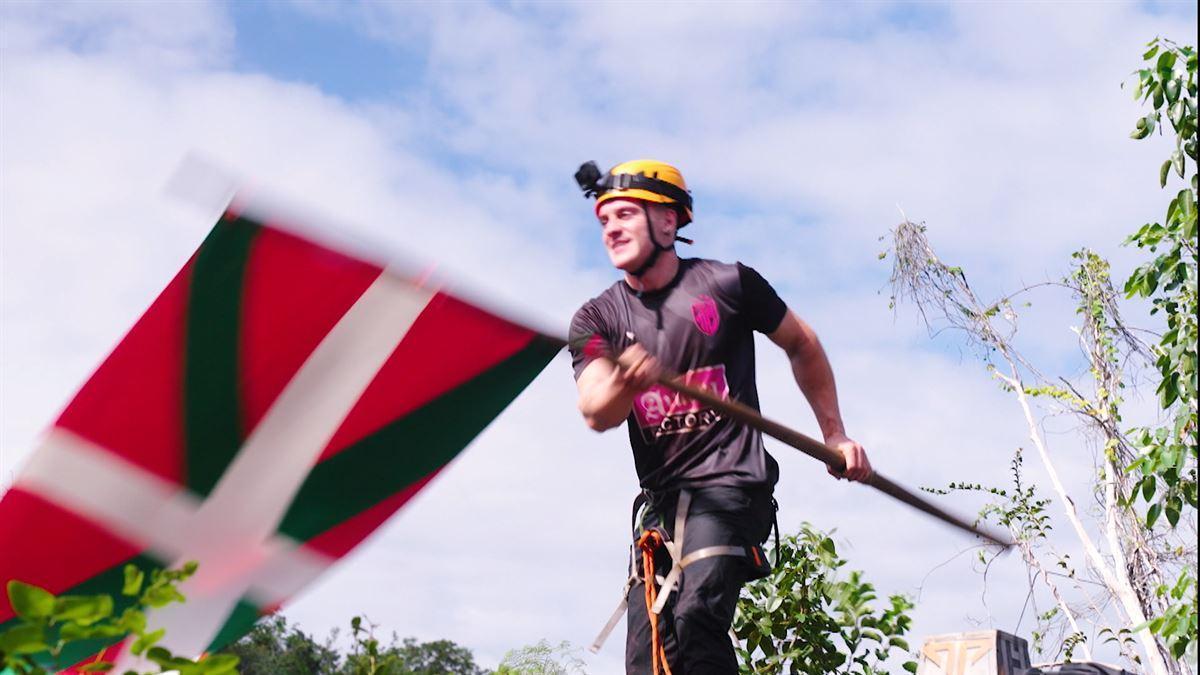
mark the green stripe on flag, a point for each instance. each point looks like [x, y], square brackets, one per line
[240, 621]
[212, 424]
[410, 448]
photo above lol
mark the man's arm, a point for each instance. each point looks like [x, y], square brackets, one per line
[606, 391]
[814, 376]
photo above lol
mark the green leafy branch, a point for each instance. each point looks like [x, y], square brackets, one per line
[48, 625]
[1167, 454]
[805, 618]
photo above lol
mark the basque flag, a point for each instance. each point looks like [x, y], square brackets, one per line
[275, 404]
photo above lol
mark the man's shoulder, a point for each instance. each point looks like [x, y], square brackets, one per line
[601, 306]
[712, 267]
[723, 275]
[708, 264]
[605, 298]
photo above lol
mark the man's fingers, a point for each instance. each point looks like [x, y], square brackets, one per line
[640, 373]
[638, 369]
[858, 467]
[853, 461]
[861, 465]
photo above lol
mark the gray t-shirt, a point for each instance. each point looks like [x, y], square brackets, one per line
[700, 325]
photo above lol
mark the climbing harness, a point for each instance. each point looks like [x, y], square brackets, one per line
[659, 588]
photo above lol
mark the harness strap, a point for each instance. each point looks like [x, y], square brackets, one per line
[635, 525]
[656, 597]
[675, 549]
[616, 616]
[712, 551]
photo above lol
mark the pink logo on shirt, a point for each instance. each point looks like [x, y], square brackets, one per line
[704, 312]
[661, 411]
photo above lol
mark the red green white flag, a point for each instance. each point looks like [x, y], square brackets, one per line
[276, 403]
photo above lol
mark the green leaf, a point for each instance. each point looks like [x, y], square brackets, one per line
[1166, 61]
[1150, 53]
[23, 639]
[146, 640]
[159, 654]
[169, 661]
[83, 609]
[72, 632]
[1152, 514]
[30, 602]
[1171, 88]
[133, 620]
[1163, 172]
[1177, 161]
[218, 664]
[1144, 126]
[134, 578]
[97, 667]
[910, 666]
[1172, 513]
[160, 596]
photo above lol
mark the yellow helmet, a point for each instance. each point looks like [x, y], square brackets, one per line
[645, 179]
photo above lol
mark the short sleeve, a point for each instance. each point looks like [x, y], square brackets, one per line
[761, 305]
[586, 338]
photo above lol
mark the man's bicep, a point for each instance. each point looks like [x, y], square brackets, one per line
[597, 371]
[792, 333]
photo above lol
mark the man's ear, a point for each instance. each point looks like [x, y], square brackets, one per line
[668, 217]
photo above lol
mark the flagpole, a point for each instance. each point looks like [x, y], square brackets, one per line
[832, 458]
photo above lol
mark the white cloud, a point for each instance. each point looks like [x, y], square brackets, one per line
[169, 37]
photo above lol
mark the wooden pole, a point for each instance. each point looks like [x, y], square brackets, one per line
[813, 448]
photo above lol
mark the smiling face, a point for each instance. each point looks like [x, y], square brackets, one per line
[625, 234]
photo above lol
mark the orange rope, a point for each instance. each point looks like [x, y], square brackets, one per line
[649, 543]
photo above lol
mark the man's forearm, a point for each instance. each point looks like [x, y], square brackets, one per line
[607, 402]
[814, 376]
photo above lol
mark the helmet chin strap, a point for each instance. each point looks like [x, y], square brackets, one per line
[658, 248]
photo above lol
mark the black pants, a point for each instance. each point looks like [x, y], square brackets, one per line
[694, 624]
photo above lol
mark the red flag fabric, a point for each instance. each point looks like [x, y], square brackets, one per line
[276, 403]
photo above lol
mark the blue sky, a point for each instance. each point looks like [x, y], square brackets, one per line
[452, 131]
[275, 38]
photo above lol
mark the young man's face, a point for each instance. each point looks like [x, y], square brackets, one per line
[625, 234]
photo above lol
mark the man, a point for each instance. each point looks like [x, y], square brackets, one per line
[703, 476]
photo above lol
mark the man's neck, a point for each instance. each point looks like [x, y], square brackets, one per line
[656, 277]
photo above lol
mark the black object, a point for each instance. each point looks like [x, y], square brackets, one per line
[588, 176]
